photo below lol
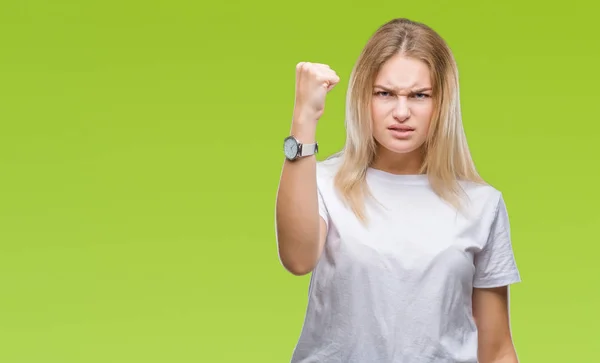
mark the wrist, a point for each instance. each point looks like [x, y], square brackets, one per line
[304, 115]
[304, 131]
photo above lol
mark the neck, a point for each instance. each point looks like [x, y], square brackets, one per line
[401, 164]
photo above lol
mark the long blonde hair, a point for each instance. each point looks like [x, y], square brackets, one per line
[447, 158]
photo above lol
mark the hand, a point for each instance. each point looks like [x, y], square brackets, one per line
[313, 82]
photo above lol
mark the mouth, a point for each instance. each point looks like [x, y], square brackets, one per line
[401, 131]
[401, 128]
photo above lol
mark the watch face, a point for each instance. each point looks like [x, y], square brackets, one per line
[290, 148]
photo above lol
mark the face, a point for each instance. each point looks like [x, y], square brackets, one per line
[402, 107]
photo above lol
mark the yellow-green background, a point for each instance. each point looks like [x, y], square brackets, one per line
[141, 146]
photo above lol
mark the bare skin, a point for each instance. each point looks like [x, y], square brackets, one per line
[301, 232]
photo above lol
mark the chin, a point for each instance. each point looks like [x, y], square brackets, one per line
[400, 146]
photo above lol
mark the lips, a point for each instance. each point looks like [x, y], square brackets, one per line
[401, 128]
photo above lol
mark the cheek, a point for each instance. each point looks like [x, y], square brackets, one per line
[424, 114]
[423, 109]
[378, 112]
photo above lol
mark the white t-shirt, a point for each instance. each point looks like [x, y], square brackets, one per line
[400, 290]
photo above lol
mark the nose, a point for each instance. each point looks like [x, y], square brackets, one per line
[401, 111]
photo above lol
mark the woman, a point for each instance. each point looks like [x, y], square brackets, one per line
[409, 248]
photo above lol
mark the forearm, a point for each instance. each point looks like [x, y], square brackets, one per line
[508, 355]
[297, 213]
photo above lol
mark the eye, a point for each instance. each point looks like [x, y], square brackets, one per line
[420, 95]
[382, 93]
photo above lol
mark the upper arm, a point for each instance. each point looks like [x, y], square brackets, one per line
[495, 264]
[491, 314]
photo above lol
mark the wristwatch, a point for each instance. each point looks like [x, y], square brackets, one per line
[293, 149]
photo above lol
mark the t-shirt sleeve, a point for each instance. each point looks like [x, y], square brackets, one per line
[495, 264]
[322, 208]
[321, 181]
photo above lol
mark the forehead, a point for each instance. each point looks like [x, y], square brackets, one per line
[404, 72]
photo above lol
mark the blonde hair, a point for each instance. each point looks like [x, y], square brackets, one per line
[447, 159]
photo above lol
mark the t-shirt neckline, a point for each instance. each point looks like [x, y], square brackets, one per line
[414, 179]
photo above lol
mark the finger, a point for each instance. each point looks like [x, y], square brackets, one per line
[333, 81]
[330, 86]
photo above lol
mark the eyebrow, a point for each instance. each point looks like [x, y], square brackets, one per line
[417, 90]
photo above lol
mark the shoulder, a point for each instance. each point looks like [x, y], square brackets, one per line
[327, 168]
[485, 199]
